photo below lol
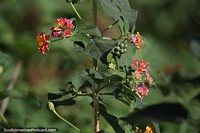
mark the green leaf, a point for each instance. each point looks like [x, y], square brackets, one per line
[92, 31]
[92, 75]
[129, 15]
[97, 48]
[73, 1]
[112, 120]
[120, 10]
[52, 96]
[84, 86]
[81, 40]
[66, 102]
[126, 59]
[126, 96]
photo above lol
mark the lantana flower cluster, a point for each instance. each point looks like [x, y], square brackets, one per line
[142, 77]
[63, 29]
[137, 40]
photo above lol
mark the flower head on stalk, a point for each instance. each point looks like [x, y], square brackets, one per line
[43, 42]
[63, 29]
[137, 40]
[141, 66]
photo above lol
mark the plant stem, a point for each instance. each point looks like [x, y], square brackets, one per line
[96, 112]
[110, 26]
[52, 108]
[79, 16]
[95, 88]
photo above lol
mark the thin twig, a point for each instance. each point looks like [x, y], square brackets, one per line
[79, 16]
[110, 26]
[11, 86]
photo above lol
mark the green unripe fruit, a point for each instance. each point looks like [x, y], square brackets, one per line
[117, 53]
[122, 51]
[121, 45]
[125, 45]
[125, 50]
[117, 48]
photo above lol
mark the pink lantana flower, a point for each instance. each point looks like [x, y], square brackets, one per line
[143, 90]
[63, 29]
[137, 40]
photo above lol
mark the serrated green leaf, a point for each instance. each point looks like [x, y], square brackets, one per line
[126, 59]
[97, 48]
[121, 11]
[129, 15]
[91, 31]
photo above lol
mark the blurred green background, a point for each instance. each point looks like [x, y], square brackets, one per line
[169, 28]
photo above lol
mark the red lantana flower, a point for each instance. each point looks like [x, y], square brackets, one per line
[137, 40]
[43, 42]
[141, 66]
[63, 29]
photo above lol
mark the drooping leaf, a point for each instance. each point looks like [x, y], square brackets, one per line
[52, 96]
[66, 102]
[112, 120]
[97, 48]
[172, 112]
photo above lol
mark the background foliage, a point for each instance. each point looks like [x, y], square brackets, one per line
[170, 28]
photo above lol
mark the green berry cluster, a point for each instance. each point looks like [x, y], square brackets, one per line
[120, 49]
